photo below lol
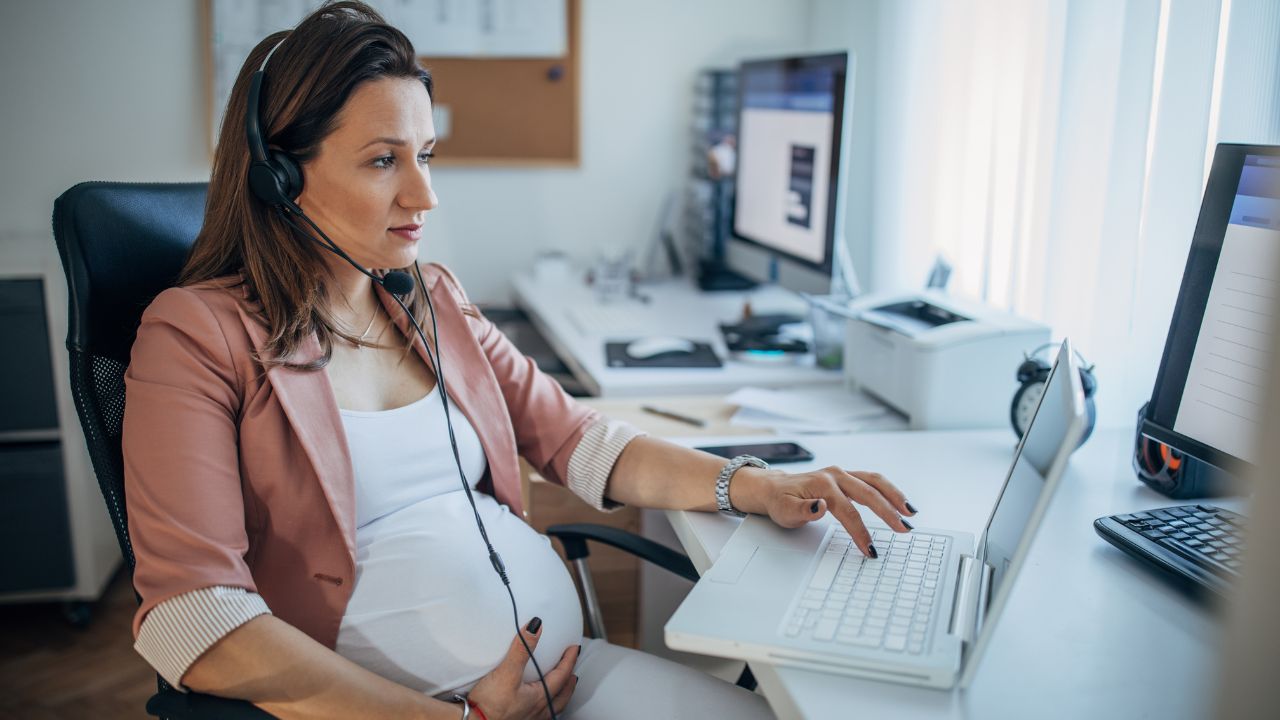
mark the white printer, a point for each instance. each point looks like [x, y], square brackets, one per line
[943, 362]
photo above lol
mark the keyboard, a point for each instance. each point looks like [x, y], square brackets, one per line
[1200, 545]
[882, 603]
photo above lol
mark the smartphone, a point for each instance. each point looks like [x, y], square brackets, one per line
[770, 452]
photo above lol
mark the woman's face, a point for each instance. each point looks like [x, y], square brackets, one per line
[368, 187]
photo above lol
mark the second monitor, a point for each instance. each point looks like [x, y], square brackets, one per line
[791, 145]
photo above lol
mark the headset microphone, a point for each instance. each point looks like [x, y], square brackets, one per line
[398, 282]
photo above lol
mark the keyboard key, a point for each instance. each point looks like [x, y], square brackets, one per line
[793, 630]
[825, 630]
[895, 643]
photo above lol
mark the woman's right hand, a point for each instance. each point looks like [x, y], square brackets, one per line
[502, 694]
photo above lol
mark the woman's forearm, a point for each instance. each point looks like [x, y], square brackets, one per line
[285, 672]
[654, 473]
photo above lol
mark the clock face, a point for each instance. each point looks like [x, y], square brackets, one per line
[1025, 404]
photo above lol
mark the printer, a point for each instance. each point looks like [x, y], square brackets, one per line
[944, 362]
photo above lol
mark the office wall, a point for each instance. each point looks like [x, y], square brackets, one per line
[853, 25]
[95, 90]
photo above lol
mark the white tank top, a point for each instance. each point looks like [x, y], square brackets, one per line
[427, 610]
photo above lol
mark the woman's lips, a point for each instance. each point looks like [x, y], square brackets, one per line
[410, 233]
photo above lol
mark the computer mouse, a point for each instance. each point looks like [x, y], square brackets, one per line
[655, 345]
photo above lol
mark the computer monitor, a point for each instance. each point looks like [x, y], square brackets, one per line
[1207, 398]
[789, 176]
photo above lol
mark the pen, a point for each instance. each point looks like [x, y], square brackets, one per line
[697, 422]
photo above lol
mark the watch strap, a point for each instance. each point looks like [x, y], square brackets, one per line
[726, 475]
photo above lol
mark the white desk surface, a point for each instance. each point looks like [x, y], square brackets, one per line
[1087, 632]
[684, 311]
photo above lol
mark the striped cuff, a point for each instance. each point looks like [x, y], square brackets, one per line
[593, 460]
[179, 630]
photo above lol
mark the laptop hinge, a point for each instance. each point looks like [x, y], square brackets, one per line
[973, 594]
[964, 609]
[984, 597]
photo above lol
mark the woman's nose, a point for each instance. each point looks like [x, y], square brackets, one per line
[418, 193]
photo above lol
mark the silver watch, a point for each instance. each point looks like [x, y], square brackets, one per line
[722, 482]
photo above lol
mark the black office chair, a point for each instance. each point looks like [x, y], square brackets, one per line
[122, 244]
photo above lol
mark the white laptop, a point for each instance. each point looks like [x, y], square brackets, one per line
[921, 613]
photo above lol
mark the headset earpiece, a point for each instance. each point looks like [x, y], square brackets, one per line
[274, 176]
[276, 181]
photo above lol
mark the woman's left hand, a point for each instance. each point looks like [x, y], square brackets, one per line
[793, 500]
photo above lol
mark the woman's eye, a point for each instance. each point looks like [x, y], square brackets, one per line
[384, 162]
[425, 157]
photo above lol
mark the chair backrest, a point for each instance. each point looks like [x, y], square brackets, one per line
[121, 244]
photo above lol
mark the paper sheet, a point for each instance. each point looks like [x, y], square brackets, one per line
[812, 404]
[810, 410]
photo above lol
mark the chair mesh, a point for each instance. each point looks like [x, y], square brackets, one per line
[97, 384]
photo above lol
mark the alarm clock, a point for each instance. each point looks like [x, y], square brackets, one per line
[1033, 375]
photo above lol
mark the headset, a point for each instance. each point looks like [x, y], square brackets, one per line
[275, 178]
[1170, 472]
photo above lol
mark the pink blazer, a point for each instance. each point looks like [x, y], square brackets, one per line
[235, 477]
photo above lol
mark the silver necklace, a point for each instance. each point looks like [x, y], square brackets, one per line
[372, 317]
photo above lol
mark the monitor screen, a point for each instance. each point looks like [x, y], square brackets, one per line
[1208, 395]
[790, 128]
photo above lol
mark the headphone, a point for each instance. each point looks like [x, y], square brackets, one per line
[275, 178]
[1035, 370]
[1170, 472]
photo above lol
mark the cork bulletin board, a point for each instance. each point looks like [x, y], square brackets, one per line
[493, 109]
[509, 112]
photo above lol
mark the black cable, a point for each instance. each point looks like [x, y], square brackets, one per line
[494, 558]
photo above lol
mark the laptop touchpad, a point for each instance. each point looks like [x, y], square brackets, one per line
[772, 561]
[731, 563]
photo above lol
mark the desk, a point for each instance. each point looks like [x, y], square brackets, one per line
[676, 308]
[1086, 633]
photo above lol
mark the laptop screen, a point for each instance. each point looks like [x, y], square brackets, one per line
[1053, 434]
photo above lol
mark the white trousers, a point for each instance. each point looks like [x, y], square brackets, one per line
[618, 683]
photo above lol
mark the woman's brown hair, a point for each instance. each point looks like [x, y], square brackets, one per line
[308, 80]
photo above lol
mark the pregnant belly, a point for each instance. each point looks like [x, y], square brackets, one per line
[429, 612]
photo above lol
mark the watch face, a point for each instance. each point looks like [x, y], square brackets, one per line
[1025, 403]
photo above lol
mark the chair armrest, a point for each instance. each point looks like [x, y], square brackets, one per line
[574, 537]
[174, 705]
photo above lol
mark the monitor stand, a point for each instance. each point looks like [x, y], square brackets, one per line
[715, 275]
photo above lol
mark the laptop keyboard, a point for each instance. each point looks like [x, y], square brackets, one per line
[883, 603]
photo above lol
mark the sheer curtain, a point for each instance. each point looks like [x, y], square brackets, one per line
[1055, 151]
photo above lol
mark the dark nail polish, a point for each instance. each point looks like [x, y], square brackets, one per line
[911, 509]
[814, 507]
[534, 626]
[909, 525]
[871, 551]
